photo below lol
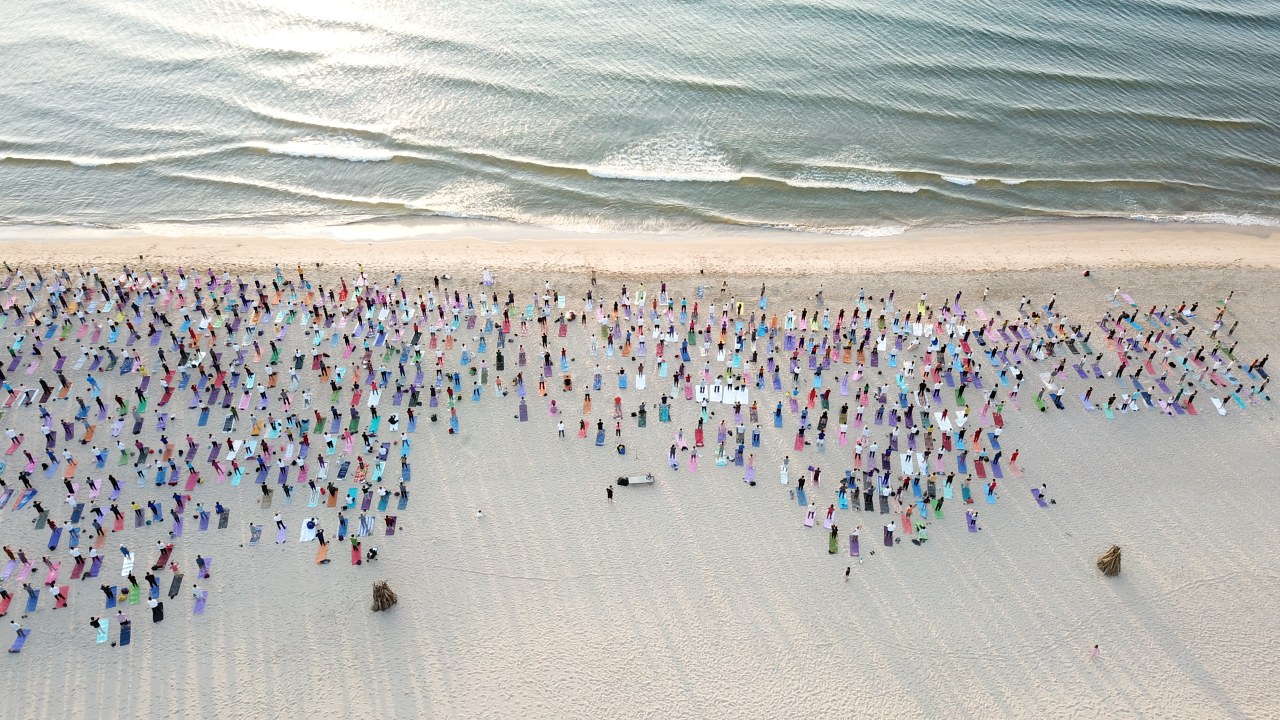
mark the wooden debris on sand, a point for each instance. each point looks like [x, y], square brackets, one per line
[383, 596]
[1109, 563]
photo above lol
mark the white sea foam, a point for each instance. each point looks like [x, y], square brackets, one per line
[959, 180]
[98, 161]
[843, 231]
[856, 180]
[315, 121]
[336, 148]
[468, 198]
[671, 159]
[303, 192]
[1241, 219]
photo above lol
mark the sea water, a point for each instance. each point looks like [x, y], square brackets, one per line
[826, 116]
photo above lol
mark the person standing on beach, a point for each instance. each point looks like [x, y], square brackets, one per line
[609, 493]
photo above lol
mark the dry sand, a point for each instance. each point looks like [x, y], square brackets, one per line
[701, 597]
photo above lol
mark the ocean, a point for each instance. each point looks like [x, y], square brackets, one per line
[837, 117]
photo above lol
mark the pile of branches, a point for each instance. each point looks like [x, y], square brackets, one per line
[1109, 563]
[383, 596]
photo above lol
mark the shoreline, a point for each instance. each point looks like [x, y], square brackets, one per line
[463, 246]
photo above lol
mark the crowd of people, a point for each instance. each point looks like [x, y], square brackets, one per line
[148, 387]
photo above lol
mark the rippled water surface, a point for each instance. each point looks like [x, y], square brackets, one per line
[838, 117]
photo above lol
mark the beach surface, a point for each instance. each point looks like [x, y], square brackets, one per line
[701, 596]
[447, 246]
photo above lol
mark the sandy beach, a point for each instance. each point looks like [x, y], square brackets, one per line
[702, 596]
[457, 246]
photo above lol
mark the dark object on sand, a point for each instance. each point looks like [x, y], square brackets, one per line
[1109, 563]
[383, 596]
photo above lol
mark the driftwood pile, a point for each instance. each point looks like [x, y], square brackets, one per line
[383, 596]
[1109, 563]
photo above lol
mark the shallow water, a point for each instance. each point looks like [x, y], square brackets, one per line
[835, 117]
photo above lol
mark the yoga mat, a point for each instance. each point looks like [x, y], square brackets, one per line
[20, 641]
[104, 629]
[200, 603]
[24, 499]
[175, 585]
[1035, 493]
[126, 632]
